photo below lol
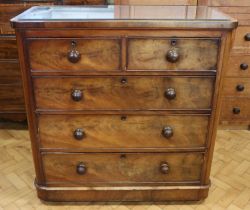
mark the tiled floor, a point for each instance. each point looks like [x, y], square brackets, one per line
[230, 177]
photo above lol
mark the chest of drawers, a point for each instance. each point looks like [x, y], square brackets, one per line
[122, 109]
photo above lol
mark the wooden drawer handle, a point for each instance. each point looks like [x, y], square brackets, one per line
[240, 88]
[244, 66]
[247, 37]
[170, 93]
[173, 55]
[79, 134]
[167, 132]
[77, 95]
[236, 110]
[73, 55]
[81, 169]
[164, 168]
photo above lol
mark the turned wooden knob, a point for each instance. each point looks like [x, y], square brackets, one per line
[247, 37]
[164, 168]
[167, 132]
[240, 88]
[236, 110]
[81, 169]
[73, 55]
[170, 93]
[79, 134]
[173, 55]
[77, 95]
[244, 66]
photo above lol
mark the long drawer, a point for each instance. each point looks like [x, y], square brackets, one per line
[122, 131]
[89, 168]
[129, 93]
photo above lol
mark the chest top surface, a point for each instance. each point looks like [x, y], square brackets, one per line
[123, 16]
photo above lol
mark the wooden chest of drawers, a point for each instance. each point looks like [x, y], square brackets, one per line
[122, 110]
[236, 98]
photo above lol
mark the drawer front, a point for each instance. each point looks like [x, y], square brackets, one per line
[9, 69]
[236, 87]
[238, 66]
[75, 54]
[161, 54]
[8, 48]
[241, 40]
[117, 168]
[236, 109]
[115, 131]
[11, 97]
[130, 93]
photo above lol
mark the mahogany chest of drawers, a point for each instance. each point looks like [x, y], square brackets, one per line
[122, 108]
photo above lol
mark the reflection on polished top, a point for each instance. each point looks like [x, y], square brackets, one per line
[160, 16]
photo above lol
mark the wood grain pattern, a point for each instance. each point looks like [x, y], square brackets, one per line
[96, 54]
[11, 97]
[8, 48]
[108, 93]
[9, 69]
[240, 41]
[150, 54]
[125, 167]
[116, 131]
[229, 104]
[234, 66]
[236, 87]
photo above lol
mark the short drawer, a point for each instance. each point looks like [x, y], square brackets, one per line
[8, 48]
[236, 87]
[242, 37]
[128, 93]
[75, 54]
[238, 66]
[89, 168]
[172, 54]
[235, 109]
[122, 131]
